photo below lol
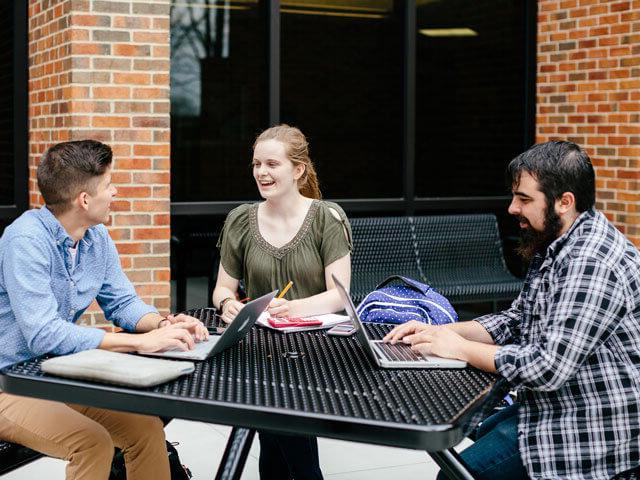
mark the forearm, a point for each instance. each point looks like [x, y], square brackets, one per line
[471, 330]
[479, 355]
[325, 302]
[220, 293]
[149, 322]
[120, 342]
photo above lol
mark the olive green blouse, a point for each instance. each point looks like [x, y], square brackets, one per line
[246, 255]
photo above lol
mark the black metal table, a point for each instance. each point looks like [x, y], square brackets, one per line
[301, 383]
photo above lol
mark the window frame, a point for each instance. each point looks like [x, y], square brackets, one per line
[20, 114]
[408, 204]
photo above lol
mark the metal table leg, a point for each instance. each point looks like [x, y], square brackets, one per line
[235, 454]
[451, 464]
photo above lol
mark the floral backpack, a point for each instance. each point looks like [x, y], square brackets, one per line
[400, 299]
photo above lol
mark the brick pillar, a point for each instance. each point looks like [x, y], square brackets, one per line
[588, 91]
[100, 69]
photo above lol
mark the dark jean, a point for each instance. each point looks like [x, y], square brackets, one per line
[285, 457]
[495, 454]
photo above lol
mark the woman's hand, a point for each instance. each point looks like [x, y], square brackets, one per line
[279, 307]
[230, 309]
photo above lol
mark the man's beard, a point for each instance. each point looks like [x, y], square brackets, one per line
[533, 241]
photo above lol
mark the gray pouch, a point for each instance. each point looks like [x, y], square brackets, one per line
[116, 368]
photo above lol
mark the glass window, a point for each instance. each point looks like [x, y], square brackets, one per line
[7, 165]
[470, 95]
[341, 84]
[218, 97]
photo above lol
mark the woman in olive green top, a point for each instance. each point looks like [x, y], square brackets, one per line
[292, 236]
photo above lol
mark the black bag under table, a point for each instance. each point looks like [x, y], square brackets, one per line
[299, 383]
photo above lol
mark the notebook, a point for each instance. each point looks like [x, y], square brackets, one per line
[386, 355]
[235, 332]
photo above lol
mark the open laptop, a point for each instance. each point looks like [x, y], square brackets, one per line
[231, 335]
[386, 355]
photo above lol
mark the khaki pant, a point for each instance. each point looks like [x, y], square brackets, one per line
[86, 436]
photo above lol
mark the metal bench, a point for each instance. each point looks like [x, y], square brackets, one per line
[13, 456]
[382, 246]
[460, 255]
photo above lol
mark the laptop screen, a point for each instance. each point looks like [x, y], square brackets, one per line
[361, 333]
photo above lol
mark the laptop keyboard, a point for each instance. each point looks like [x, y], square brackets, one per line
[400, 352]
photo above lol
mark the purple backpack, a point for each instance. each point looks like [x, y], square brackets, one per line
[406, 300]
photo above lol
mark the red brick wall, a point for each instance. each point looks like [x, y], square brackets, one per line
[588, 91]
[100, 69]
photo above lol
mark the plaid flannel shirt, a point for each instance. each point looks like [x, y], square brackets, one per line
[570, 343]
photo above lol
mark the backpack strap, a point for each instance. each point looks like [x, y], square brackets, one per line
[408, 282]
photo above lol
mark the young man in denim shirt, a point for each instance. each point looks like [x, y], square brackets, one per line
[570, 342]
[54, 261]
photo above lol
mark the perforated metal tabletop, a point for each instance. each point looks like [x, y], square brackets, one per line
[307, 383]
[302, 382]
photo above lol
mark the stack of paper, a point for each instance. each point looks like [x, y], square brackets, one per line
[328, 320]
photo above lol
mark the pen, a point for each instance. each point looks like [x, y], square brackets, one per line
[285, 289]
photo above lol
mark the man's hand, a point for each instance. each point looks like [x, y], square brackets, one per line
[279, 307]
[174, 336]
[441, 342]
[409, 328]
[192, 324]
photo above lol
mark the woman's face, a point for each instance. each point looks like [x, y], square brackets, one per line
[274, 173]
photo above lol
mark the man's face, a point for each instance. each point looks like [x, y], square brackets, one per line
[99, 203]
[540, 224]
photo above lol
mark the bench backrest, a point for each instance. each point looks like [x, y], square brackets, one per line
[383, 245]
[454, 247]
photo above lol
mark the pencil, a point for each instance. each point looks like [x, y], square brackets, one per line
[285, 289]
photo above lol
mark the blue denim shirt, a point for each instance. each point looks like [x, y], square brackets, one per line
[42, 294]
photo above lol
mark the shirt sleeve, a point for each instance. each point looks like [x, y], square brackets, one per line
[26, 270]
[504, 327]
[336, 237]
[586, 302]
[117, 297]
[231, 239]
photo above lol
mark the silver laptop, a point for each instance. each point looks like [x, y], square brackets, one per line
[235, 332]
[386, 355]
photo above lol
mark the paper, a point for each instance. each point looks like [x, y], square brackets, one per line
[328, 321]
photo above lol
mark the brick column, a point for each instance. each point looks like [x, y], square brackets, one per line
[588, 91]
[100, 69]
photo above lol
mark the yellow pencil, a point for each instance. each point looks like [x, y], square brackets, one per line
[285, 289]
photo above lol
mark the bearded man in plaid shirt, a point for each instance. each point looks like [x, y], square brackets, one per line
[570, 342]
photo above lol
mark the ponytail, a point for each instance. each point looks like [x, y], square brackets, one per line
[309, 185]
